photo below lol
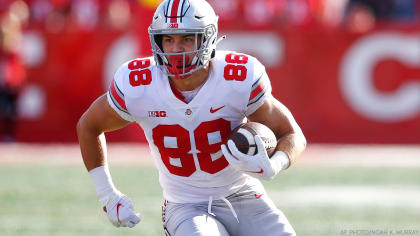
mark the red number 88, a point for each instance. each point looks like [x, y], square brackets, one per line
[140, 77]
[233, 71]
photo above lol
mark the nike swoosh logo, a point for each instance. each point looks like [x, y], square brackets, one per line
[214, 110]
[258, 195]
[257, 172]
[118, 212]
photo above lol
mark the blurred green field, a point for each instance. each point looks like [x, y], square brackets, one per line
[59, 199]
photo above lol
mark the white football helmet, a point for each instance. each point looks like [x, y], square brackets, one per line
[195, 17]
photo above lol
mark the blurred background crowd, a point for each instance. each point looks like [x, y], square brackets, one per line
[29, 29]
[55, 15]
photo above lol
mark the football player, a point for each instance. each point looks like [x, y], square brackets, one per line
[187, 98]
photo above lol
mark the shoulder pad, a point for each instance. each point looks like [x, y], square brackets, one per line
[233, 66]
[133, 76]
[245, 76]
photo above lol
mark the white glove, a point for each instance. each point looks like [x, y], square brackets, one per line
[120, 211]
[258, 165]
[118, 207]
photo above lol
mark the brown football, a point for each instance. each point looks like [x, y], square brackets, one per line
[243, 137]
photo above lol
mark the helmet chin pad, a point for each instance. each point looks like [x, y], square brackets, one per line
[178, 67]
[177, 61]
[180, 73]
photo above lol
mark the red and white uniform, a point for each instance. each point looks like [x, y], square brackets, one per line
[185, 138]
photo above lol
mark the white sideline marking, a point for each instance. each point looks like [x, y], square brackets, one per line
[70, 153]
[338, 155]
[328, 155]
[353, 196]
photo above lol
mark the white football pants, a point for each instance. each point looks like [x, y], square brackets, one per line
[251, 213]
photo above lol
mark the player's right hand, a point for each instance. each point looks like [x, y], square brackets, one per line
[120, 211]
[117, 206]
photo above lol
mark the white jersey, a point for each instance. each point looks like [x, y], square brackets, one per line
[185, 138]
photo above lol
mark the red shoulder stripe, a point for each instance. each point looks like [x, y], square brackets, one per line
[117, 97]
[257, 90]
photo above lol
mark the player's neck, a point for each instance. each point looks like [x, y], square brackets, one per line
[193, 81]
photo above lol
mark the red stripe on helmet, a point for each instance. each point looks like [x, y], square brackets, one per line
[117, 97]
[174, 11]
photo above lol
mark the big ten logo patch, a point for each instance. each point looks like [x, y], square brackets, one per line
[173, 25]
[157, 113]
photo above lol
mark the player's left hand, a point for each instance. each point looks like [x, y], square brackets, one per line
[258, 165]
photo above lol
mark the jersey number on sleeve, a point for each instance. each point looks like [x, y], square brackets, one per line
[139, 75]
[182, 150]
[235, 69]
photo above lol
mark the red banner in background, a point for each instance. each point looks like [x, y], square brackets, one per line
[340, 86]
[356, 88]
